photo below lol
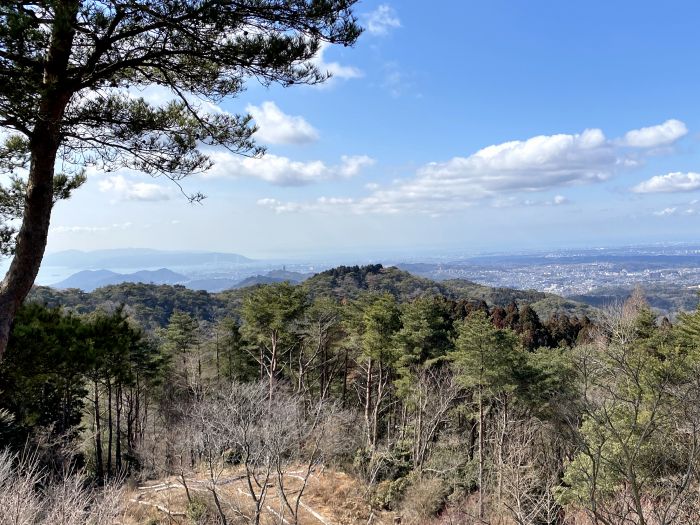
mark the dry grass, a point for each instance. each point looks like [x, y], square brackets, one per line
[330, 498]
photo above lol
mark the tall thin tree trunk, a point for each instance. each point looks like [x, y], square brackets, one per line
[44, 142]
[368, 403]
[131, 428]
[218, 367]
[118, 447]
[481, 453]
[99, 472]
[345, 379]
[501, 446]
[109, 428]
[375, 409]
[273, 365]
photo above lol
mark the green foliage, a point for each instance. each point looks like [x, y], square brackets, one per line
[181, 333]
[204, 48]
[351, 282]
[547, 383]
[380, 321]
[198, 511]
[50, 357]
[42, 376]
[638, 429]
[486, 357]
[389, 493]
[238, 365]
[272, 308]
[425, 336]
[151, 306]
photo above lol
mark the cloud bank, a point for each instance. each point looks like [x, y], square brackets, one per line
[538, 164]
[670, 183]
[125, 190]
[283, 171]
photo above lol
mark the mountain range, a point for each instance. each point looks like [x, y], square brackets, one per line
[89, 280]
[141, 258]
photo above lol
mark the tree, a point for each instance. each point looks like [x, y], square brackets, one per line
[68, 71]
[486, 359]
[380, 321]
[42, 378]
[638, 451]
[181, 335]
[321, 329]
[271, 314]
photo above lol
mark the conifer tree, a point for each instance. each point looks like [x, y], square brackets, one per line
[69, 70]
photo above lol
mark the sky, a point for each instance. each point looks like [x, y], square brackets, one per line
[451, 127]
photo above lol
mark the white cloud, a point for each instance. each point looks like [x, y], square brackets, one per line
[655, 136]
[669, 183]
[352, 165]
[538, 163]
[91, 229]
[666, 211]
[336, 70]
[494, 174]
[126, 190]
[276, 127]
[382, 20]
[283, 171]
[322, 204]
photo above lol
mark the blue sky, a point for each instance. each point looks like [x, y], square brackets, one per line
[464, 127]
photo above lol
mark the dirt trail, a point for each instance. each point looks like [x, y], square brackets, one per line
[168, 497]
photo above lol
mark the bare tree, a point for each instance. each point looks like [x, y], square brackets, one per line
[530, 473]
[435, 394]
[68, 500]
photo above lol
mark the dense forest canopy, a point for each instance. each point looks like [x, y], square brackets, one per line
[434, 404]
[152, 305]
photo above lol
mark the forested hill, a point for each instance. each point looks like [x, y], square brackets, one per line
[152, 305]
[348, 282]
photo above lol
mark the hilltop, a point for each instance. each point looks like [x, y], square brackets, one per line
[153, 304]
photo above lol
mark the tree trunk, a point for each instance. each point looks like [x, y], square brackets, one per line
[109, 428]
[44, 142]
[218, 366]
[118, 444]
[481, 455]
[131, 416]
[368, 404]
[272, 372]
[98, 435]
[345, 380]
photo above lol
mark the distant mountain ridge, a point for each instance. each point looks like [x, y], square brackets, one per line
[89, 280]
[140, 258]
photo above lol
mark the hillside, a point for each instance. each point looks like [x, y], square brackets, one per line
[149, 304]
[666, 299]
[350, 281]
[545, 304]
[152, 304]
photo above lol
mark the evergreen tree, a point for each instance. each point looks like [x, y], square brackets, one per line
[486, 360]
[271, 314]
[66, 66]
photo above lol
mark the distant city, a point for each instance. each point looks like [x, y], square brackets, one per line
[574, 273]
